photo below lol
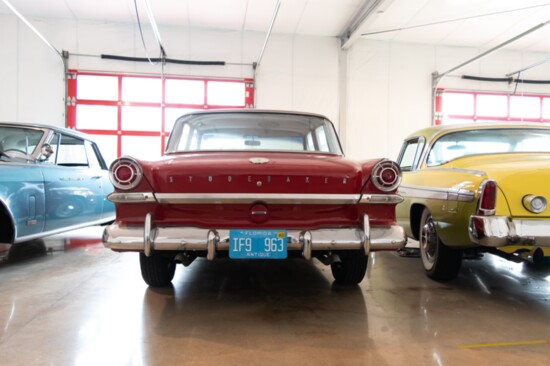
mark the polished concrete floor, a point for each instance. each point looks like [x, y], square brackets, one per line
[69, 301]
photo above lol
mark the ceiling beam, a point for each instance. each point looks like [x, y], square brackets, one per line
[350, 33]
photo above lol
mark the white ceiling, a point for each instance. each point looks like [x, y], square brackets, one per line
[478, 23]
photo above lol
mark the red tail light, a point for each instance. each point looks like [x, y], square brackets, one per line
[386, 175]
[487, 198]
[125, 173]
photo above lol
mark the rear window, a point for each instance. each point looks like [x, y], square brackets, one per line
[488, 141]
[253, 131]
[19, 140]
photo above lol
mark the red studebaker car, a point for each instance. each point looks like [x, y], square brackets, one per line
[253, 184]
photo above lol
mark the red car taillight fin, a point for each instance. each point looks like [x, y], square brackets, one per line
[386, 175]
[125, 173]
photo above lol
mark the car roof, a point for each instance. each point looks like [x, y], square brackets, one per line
[251, 111]
[433, 131]
[64, 130]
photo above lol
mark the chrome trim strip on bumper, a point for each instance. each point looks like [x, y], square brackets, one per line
[498, 231]
[138, 238]
[247, 198]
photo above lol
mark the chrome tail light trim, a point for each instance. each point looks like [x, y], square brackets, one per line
[386, 175]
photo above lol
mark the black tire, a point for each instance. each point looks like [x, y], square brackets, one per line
[440, 262]
[157, 270]
[352, 269]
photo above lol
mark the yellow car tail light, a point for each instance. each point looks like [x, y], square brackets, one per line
[487, 198]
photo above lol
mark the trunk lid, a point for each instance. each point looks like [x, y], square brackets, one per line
[517, 175]
[260, 172]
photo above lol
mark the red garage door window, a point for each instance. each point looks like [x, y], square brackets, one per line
[462, 107]
[134, 114]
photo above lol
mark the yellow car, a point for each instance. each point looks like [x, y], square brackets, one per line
[476, 186]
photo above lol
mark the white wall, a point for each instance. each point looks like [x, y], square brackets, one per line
[388, 96]
[296, 73]
[388, 88]
[31, 76]
[300, 73]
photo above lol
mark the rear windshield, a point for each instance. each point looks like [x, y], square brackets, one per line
[488, 141]
[235, 131]
[19, 141]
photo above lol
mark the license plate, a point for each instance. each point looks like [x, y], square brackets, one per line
[257, 244]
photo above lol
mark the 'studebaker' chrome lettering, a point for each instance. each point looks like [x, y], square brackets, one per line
[444, 194]
[249, 179]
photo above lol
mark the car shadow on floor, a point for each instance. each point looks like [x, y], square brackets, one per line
[258, 307]
[21, 252]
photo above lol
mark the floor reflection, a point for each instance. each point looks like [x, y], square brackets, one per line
[74, 302]
[492, 301]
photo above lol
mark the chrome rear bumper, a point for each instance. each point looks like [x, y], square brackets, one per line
[499, 231]
[150, 238]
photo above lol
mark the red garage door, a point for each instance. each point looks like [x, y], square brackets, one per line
[134, 114]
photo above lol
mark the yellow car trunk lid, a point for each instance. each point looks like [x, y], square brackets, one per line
[517, 175]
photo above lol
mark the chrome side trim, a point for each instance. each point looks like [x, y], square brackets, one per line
[479, 173]
[131, 197]
[388, 199]
[62, 230]
[246, 198]
[205, 198]
[444, 194]
[272, 198]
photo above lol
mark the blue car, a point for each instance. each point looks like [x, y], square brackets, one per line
[51, 180]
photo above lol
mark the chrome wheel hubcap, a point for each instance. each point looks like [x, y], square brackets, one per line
[428, 240]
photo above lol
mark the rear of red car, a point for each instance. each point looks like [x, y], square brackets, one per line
[254, 185]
